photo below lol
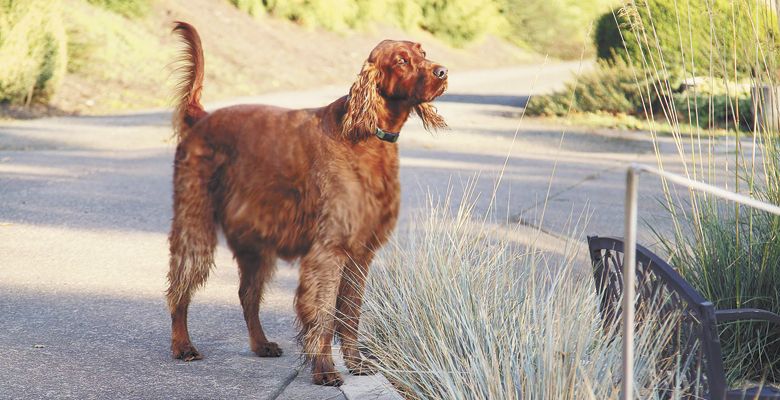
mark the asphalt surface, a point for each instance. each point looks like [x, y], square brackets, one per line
[85, 205]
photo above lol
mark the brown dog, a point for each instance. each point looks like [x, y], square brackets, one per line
[316, 184]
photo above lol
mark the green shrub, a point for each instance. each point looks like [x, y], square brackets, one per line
[735, 262]
[610, 88]
[33, 51]
[106, 47]
[251, 7]
[335, 15]
[559, 28]
[457, 21]
[461, 21]
[128, 8]
[675, 39]
[715, 107]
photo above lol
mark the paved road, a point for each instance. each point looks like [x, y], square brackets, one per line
[85, 205]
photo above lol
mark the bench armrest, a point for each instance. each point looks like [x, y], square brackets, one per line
[746, 314]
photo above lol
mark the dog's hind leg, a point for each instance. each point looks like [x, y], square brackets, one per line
[315, 304]
[256, 268]
[192, 240]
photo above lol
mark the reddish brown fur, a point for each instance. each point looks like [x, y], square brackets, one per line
[314, 184]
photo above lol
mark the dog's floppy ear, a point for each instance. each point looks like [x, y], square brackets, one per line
[430, 118]
[361, 118]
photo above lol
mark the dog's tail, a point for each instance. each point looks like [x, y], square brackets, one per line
[190, 83]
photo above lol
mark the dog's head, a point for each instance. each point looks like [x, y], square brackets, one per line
[396, 72]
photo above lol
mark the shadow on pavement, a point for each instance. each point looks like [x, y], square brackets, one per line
[148, 118]
[495, 99]
[78, 345]
[84, 190]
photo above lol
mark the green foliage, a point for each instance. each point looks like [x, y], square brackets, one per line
[559, 28]
[612, 87]
[735, 262]
[461, 21]
[679, 38]
[556, 27]
[128, 8]
[33, 51]
[457, 21]
[251, 7]
[615, 87]
[336, 15]
[709, 107]
[105, 46]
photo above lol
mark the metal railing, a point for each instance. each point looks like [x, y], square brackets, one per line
[632, 184]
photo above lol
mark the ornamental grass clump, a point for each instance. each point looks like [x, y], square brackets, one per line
[727, 52]
[458, 310]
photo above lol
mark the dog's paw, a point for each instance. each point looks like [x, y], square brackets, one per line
[186, 352]
[267, 349]
[327, 378]
[324, 372]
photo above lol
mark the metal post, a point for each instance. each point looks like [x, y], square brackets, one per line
[629, 265]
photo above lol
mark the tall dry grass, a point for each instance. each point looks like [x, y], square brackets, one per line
[458, 310]
[728, 252]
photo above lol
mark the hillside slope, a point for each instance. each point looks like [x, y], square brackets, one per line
[126, 63]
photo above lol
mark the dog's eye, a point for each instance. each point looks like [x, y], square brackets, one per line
[402, 61]
[424, 54]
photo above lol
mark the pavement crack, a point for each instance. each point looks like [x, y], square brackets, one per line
[286, 382]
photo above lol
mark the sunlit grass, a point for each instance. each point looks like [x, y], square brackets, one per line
[458, 310]
[728, 252]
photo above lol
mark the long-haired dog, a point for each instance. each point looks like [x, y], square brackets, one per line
[317, 184]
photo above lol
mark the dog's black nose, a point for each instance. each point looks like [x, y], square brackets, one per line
[440, 72]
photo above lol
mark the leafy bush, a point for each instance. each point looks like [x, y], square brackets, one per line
[615, 87]
[461, 21]
[336, 15]
[127, 8]
[104, 46]
[612, 87]
[559, 28]
[735, 262]
[715, 106]
[683, 38]
[495, 319]
[555, 27]
[251, 7]
[33, 51]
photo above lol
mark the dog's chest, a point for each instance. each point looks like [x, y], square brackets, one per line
[371, 193]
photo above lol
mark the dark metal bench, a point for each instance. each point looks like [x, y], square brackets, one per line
[660, 289]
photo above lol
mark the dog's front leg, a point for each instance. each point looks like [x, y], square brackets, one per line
[315, 304]
[348, 303]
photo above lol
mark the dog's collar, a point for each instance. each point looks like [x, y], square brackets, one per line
[387, 136]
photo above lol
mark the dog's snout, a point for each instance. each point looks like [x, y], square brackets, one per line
[440, 72]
